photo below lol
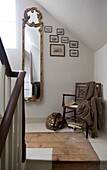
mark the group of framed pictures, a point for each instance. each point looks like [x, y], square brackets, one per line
[59, 49]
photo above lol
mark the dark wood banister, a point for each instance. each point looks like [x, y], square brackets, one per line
[6, 121]
[8, 115]
[4, 61]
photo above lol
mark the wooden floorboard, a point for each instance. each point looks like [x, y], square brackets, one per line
[71, 150]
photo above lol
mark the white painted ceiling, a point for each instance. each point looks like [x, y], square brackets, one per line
[86, 19]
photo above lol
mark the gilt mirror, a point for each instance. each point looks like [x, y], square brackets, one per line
[32, 28]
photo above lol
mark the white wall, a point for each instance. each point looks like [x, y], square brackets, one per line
[59, 73]
[100, 69]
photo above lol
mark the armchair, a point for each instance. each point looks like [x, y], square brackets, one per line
[71, 102]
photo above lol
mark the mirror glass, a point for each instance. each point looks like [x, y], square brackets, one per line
[32, 54]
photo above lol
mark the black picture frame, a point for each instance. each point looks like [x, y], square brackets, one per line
[73, 44]
[54, 38]
[64, 39]
[74, 53]
[60, 31]
[57, 50]
[48, 29]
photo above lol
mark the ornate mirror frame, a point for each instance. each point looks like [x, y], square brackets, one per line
[25, 21]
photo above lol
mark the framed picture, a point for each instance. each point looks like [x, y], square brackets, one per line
[73, 53]
[54, 38]
[60, 31]
[73, 44]
[57, 50]
[48, 29]
[64, 39]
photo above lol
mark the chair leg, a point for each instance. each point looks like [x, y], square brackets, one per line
[64, 110]
[87, 128]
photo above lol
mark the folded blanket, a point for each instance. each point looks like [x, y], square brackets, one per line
[91, 91]
[91, 108]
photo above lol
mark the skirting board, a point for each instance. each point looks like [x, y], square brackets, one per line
[36, 120]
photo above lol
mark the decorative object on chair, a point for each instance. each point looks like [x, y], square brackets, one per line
[48, 29]
[57, 50]
[54, 38]
[73, 44]
[64, 39]
[60, 31]
[74, 53]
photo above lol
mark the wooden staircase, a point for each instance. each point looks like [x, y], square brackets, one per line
[12, 125]
[69, 151]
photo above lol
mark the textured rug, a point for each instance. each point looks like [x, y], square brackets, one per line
[70, 150]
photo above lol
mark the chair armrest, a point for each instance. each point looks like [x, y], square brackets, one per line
[68, 94]
[65, 95]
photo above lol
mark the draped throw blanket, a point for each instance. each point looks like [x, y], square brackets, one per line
[91, 108]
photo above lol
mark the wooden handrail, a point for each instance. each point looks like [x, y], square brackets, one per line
[4, 61]
[8, 115]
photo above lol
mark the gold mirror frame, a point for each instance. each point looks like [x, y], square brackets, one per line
[25, 21]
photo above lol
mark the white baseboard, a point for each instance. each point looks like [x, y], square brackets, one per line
[36, 120]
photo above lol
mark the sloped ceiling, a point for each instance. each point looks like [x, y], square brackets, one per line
[86, 19]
